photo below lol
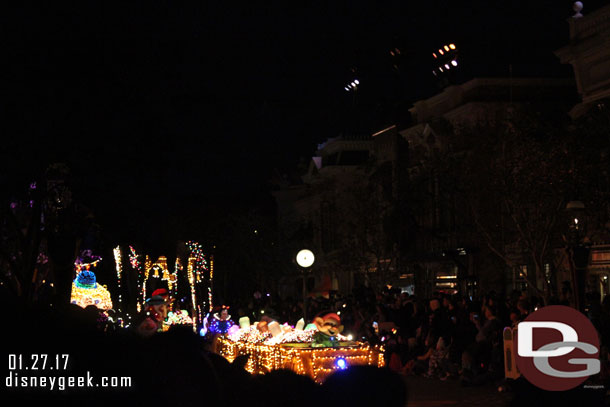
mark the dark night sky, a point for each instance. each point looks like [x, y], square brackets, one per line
[162, 109]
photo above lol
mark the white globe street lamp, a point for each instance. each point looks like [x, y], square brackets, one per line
[305, 258]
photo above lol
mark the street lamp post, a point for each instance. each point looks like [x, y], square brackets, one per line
[579, 252]
[305, 259]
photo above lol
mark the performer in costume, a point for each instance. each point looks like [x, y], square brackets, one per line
[157, 307]
[221, 321]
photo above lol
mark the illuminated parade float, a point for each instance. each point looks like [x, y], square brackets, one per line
[85, 288]
[155, 277]
[316, 351]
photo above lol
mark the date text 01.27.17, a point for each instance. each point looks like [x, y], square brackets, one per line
[38, 361]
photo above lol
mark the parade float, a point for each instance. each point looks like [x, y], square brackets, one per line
[317, 350]
[85, 288]
[150, 276]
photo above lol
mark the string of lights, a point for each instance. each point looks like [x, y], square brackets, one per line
[196, 268]
[99, 296]
[177, 267]
[191, 279]
[210, 283]
[317, 363]
[147, 267]
[172, 283]
[119, 271]
[445, 58]
[135, 264]
[133, 258]
[86, 266]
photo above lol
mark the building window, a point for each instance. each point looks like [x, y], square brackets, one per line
[520, 278]
[446, 281]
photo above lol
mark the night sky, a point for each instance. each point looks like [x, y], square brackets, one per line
[163, 109]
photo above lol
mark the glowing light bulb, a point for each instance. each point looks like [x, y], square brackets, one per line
[454, 62]
[341, 363]
[452, 46]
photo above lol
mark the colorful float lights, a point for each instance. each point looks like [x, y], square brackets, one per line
[118, 261]
[136, 265]
[79, 266]
[177, 267]
[178, 318]
[221, 322]
[210, 283]
[86, 291]
[283, 347]
[147, 267]
[196, 268]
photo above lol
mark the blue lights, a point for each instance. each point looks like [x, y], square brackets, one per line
[341, 363]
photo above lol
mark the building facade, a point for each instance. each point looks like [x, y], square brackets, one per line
[588, 51]
[450, 254]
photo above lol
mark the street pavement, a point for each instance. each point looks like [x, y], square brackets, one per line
[424, 392]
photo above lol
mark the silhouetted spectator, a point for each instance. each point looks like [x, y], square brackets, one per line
[364, 386]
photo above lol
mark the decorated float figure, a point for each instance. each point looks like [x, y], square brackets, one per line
[157, 308]
[221, 321]
[329, 326]
[86, 291]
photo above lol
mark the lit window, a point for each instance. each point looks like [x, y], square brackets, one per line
[523, 271]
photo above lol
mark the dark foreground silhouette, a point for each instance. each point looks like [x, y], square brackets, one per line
[174, 368]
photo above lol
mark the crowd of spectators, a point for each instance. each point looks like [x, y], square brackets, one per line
[173, 368]
[444, 336]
